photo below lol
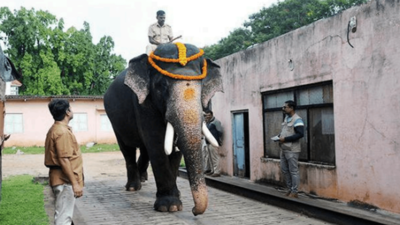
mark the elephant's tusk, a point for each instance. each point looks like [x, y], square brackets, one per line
[210, 138]
[169, 138]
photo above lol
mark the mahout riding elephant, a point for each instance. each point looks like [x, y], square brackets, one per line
[156, 105]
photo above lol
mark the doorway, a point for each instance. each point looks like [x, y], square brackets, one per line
[240, 137]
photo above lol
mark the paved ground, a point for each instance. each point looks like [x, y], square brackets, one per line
[105, 200]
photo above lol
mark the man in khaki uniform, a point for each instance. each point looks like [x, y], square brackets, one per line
[64, 159]
[159, 33]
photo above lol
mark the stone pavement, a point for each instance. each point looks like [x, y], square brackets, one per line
[106, 202]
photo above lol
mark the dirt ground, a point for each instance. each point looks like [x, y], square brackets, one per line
[95, 165]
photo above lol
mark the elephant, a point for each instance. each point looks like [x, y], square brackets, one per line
[157, 104]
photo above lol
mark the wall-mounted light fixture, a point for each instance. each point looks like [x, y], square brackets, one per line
[290, 64]
[352, 25]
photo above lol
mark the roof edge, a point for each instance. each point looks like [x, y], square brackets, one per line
[37, 97]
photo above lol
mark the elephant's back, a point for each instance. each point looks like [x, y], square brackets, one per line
[116, 91]
[118, 103]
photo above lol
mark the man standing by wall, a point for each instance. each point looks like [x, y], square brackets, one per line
[211, 157]
[289, 141]
[159, 33]
[64, 159]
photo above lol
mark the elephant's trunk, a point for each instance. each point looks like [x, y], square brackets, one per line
[190, 145]
[200, 197]
[186, 116]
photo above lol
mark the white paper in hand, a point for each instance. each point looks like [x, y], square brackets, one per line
[275, 138]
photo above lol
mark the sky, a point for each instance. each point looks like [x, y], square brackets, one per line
[126, 21]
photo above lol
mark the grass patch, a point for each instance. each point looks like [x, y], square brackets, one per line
[40, 149]
[100, 148]
[22, 202]
[25, 150]
[182, 164]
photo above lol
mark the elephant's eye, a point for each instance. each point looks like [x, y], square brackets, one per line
[161, 88]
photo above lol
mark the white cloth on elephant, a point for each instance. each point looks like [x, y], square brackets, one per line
[150, 48]
[64, 204]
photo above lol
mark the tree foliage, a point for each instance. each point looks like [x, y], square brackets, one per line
[57, 62]
[276, 20]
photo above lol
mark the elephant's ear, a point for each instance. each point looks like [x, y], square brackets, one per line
[211, 83]
[137, 77]
[14, 71]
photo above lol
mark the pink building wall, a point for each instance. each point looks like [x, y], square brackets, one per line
[37, 120]
[366, 87]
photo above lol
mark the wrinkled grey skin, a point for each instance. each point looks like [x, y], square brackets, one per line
[141, 101]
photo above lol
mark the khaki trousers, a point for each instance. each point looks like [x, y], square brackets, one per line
[204, 149]
[211, 159]
[64, 204]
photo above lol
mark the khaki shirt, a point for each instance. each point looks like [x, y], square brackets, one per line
[61, 143]
[160, 34]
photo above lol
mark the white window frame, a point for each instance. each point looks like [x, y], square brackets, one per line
[14, 123]
[105, 124]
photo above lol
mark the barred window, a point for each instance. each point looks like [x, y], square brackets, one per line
[315, 107]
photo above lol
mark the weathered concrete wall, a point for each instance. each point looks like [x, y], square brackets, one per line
[37, 120]
[366, 101]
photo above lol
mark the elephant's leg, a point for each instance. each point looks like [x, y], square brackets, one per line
[133, 183]
[143, 164]
[175, 161]
[168, 195]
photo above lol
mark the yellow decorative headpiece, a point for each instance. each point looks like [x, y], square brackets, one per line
[182, 59]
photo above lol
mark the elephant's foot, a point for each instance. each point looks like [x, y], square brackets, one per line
[143, 177]
[168, 204]
[133, 186]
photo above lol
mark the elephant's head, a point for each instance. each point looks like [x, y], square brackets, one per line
[179, 82]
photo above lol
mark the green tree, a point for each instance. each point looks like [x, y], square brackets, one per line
[106, 65]
[276, 20]
[237, 40]
[57, 62]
